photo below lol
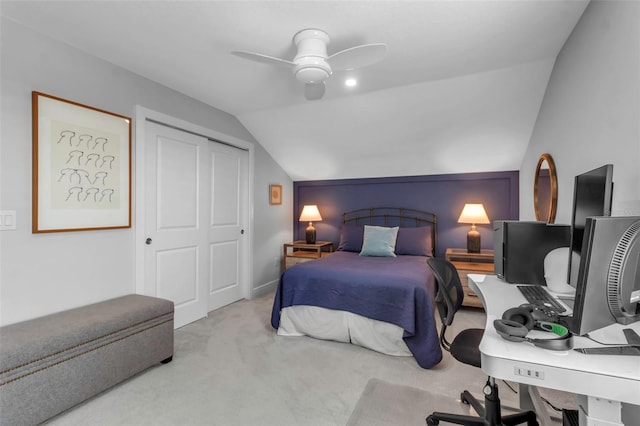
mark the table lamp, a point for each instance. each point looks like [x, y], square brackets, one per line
[473, 214]
[310, 214]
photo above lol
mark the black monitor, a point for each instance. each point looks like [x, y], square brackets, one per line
[608, 284]
[592, 195]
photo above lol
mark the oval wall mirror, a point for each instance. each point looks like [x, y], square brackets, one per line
[545, 189]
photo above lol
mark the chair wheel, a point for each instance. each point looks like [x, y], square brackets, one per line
[463, 399]
[432, 421]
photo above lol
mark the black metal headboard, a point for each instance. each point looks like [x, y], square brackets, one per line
[394, 216]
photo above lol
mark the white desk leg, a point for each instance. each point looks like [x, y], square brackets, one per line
[529, 399]
[599, 412]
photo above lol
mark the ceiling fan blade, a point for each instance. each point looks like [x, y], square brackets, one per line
[257, 57]
[358, 56]
[314, 91]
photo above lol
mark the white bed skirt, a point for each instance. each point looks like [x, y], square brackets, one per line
[341, 326]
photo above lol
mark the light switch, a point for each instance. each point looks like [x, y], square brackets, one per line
[7, 220]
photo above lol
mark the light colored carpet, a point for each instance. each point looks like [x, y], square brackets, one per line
[389, 404]
[231, 369]
[384, 403]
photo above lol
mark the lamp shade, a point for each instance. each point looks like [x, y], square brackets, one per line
[474, 214]
[311, 214]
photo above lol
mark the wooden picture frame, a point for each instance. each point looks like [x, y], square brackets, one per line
[81, 167]
[275, 194]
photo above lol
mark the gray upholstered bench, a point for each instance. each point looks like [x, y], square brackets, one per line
[52, 363]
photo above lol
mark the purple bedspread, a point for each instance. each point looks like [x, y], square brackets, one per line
[399, 290]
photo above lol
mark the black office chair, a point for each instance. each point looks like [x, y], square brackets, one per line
[465, 347]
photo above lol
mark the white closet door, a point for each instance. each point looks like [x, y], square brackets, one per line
[229, 167]
[177, 200]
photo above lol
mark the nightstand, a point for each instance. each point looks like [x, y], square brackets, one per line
[470, 263]
[299, 252]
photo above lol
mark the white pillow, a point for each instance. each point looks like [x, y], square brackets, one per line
[379, 241]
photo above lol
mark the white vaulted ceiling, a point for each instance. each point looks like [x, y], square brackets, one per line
[459, 90]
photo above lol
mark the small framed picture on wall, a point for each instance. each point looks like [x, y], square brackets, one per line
[275, 194]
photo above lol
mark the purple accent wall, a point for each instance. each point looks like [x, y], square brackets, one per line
[444, 195]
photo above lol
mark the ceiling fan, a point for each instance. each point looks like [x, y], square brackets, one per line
[313, 66]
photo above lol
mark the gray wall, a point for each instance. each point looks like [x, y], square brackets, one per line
[590, 114]
[45, 273]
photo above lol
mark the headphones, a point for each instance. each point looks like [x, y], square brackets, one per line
[517, 322]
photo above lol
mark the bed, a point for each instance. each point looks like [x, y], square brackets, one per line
[375, 291]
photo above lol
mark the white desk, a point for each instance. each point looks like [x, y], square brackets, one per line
[605, 383]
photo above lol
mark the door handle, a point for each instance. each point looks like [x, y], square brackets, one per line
[242, 232]
[148, 241]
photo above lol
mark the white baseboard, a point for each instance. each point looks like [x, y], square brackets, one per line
[266, 288]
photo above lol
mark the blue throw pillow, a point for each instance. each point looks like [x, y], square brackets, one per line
[351, 238]
[379, 241]
[414, 241]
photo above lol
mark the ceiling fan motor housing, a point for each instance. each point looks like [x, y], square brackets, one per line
[311, 70]
[310, 61]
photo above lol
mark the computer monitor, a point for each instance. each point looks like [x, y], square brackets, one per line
[592, 195]
[608, 284]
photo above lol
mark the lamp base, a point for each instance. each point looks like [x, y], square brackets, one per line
[473, 241]
[310, 234]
